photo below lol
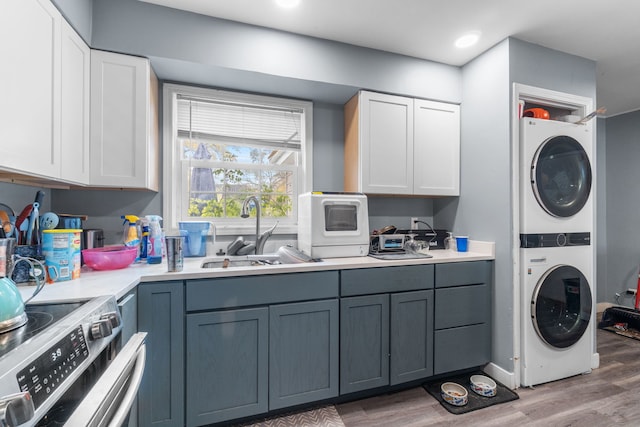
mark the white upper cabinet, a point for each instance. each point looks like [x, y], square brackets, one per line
[30, 76]
[400, 146]
[74, 107]
[124, 123]
[436, 151]
[44, 109]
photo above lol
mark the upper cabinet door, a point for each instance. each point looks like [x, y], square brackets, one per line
[74, 105]
[124, 144]
[436, 148]
[387, 143]
[29, 117]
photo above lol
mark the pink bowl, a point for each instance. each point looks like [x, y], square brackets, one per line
[109, 257]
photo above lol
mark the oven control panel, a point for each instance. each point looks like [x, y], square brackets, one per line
[46, 373]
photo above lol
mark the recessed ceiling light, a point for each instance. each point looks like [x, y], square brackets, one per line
[468, 40]
[287, 4]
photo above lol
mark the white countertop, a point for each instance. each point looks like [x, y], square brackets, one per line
[91, 283]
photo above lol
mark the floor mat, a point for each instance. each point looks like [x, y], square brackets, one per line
[326, 416]
[504, 394]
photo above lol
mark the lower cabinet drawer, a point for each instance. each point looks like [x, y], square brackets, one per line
[461, 348]
[462, 305]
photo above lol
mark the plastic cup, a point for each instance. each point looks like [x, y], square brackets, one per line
[462, 243]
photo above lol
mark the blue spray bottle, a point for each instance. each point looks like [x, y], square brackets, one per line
[154, 245]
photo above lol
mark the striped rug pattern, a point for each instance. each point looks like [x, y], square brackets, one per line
[326, 416]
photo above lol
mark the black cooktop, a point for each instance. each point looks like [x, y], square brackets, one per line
[40, 316]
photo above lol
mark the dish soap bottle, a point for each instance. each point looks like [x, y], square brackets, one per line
[154, 246]
[449, 242]
[132, 233]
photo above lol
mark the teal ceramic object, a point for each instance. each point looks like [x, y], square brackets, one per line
[12, 313]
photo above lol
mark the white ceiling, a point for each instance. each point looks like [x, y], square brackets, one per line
[606, 31]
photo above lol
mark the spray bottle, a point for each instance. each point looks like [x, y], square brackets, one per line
[144, 242]
[154, 247]
[132, 233]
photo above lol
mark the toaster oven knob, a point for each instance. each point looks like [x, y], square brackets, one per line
[113, 318]
[100, 329]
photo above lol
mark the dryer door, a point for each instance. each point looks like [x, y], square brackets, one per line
[561, 306]
[561, 176]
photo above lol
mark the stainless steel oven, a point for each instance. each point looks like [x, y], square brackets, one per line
[65, 366]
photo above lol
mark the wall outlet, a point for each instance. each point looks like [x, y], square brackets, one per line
[413, 224]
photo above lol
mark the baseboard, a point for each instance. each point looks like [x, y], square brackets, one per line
[595, 360]
[505, 377]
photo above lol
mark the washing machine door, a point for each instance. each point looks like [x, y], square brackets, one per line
[561, 176]
[561, 306]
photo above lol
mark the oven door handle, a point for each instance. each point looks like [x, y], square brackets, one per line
[130, 396]
[110, 399]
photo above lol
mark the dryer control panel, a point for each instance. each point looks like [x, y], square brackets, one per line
[553, 240]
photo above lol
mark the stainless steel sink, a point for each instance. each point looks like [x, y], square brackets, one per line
[241, 261]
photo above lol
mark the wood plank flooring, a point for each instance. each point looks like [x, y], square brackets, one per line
[609, 396]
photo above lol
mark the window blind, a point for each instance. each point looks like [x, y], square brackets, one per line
[239, 123]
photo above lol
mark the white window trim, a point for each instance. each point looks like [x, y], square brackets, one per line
[171, 149]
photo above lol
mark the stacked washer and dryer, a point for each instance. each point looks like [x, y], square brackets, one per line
[556, 254]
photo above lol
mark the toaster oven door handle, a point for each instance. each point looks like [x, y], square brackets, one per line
[110, 399]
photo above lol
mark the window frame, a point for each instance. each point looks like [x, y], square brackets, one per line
[172, 170]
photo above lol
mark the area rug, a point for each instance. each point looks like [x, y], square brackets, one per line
[326, 416]
[503, 394]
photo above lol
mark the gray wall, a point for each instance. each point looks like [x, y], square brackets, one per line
[79, 13]
[623, 205]
[550, 69]
[223, 53]
[18, 196]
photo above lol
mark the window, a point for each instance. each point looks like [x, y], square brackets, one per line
[221, 147]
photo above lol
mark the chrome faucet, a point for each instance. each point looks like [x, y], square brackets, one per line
[244, 213]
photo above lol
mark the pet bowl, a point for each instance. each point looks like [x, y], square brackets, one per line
[484, 386]
[109, 257]
[454, 394]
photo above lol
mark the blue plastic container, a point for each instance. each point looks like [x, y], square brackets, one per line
[196, 232]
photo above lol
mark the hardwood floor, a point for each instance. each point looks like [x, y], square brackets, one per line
[609, 396]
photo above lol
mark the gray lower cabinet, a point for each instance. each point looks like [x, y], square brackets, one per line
[226, 348]
[364, 342]
[411, 338]
[260, 343]
[385, 338]
[227, 362]
[303, 352]
[161, 315]
[462, 337]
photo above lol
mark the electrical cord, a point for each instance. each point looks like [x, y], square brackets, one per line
[430, 228]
